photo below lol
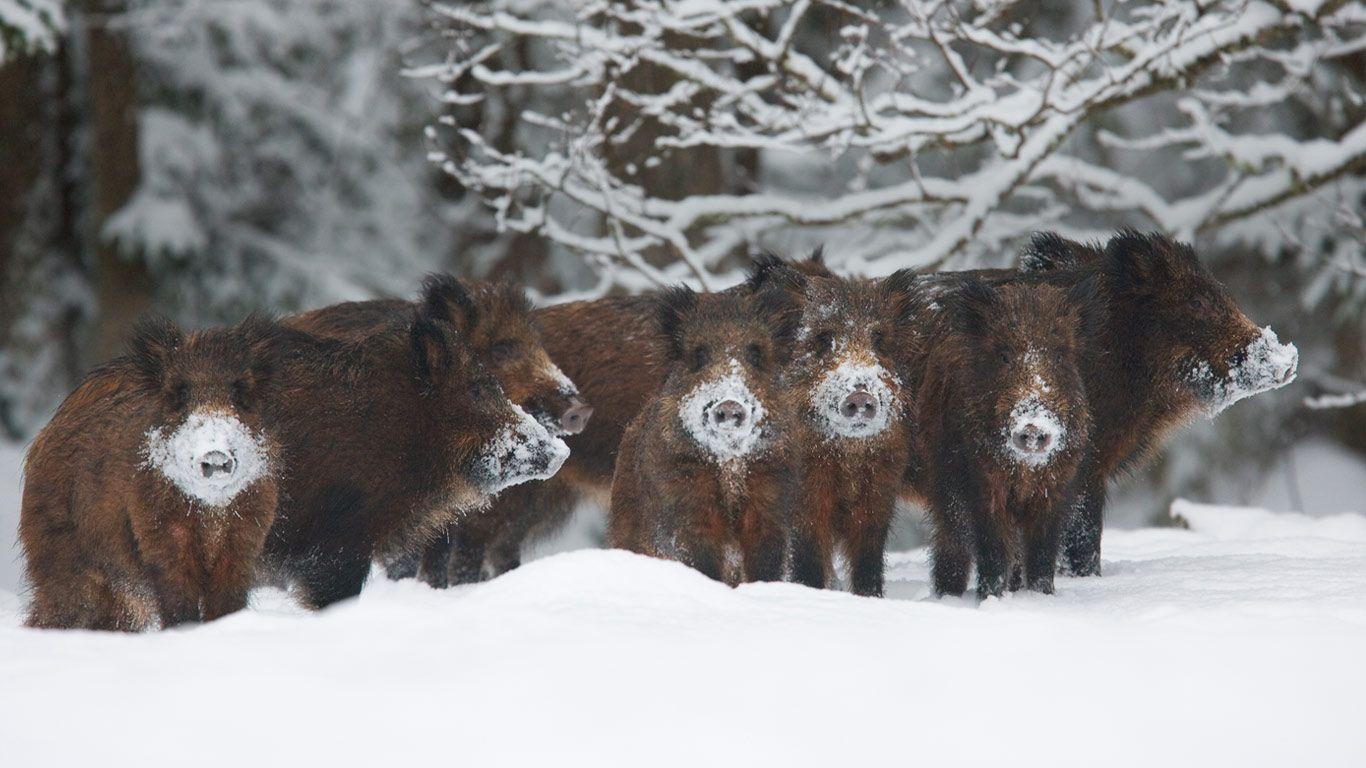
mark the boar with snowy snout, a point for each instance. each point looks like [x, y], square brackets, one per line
[148, 496]
[846, 378]
[705, 471]
[1174, 346]
[496, 320]
[388, 439]
[1003, 429]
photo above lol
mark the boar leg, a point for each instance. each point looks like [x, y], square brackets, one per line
[404, 566]
[993, 556]
[177, 598]
[435, 559]
[866, 565]
[468, 545]
[954, 498]
[1041, 544]
[763, 552]
[341, 578]
[1081, 547]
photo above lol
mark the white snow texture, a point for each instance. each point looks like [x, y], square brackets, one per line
[1262, 364]
[180, 457]
[522, 451]
[1236, 642]
[846, 378]
[725, 442]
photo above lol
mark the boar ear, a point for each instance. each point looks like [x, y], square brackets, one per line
[434, 347]
[260, 336]
[767, 269]
[1135, 264]
[446, 298]
[1088, 302]
[973, 305]
[153, 343]
[903, 297]
[782, 313]
[817, 257]
[672, 307]
[1051, 252]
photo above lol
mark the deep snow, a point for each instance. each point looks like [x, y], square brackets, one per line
[1236, 643]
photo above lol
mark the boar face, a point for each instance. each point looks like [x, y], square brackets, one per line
[496, 321]
[1193, 332]
[847, 354]
[496, 443]
[206, 439]
[725, 352]
[1020, 348]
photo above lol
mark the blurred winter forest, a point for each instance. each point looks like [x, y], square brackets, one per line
[205, 158]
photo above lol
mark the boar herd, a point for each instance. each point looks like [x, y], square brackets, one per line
[760, 433]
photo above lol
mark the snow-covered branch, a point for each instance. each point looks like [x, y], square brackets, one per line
[30, 25]
[950, 126]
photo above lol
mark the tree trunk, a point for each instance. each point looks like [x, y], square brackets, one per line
[123, 285]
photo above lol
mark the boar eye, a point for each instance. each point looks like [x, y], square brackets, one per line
[824, 341]
[755, 353]
[1198, 304]
[180, 395]
[699, 358]
[1004, 356]
[503, 351]
[481, 388]
[880, 342]
[241, 395]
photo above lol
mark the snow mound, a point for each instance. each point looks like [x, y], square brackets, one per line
[1237, 642]
[191, 457]
[724, 442]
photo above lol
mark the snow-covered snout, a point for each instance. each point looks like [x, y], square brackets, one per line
[855, 399]
[722, 415]
[211, 456]
[1262, 364]
[523, 450]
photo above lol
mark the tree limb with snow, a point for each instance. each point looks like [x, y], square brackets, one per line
[29, 26]
[940, 132]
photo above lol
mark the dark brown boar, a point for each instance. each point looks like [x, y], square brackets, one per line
[496, 320]
[1003, 428]
[1176, 346]
[852, 428]
[706, 469]
[148, 496]
[388, 439]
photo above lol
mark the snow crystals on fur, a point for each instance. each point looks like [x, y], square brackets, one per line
[1264, 364]
[724, 442]
[839, 383]
[180, 456]
[524, 450]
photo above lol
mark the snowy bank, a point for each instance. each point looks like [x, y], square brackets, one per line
[1237, 642]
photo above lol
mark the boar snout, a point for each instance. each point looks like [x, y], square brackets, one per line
[1031, 439]
[575, 418]
[214, 464]
[859, 405]
[728, 413]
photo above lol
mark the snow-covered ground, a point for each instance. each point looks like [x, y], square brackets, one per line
[1238, 641]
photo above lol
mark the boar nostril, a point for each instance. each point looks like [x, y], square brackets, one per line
[575, 419]
[1031, 439]
[729, 412]
[859, 405]
[216, 463]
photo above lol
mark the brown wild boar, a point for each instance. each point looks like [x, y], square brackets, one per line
[1175, 347]
[1003, 428]
[148, 496]
[496, 320]
[705, 471]
[853, 429]
[387, 440]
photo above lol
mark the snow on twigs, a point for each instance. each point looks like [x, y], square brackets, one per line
[848, 130]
